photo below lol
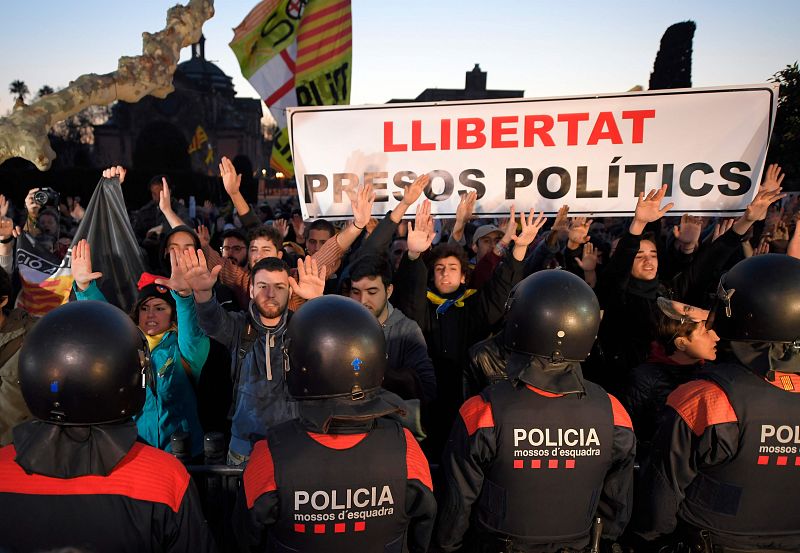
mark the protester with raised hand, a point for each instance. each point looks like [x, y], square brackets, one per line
[165, 313]
[464, 211]
[548, 251]
[150, 215]
[630, 283]
[255, 339]
[453, 317]
[328, 256]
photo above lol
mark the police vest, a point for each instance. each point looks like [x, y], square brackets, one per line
[552, 458]
[756, 492]
[339, 500]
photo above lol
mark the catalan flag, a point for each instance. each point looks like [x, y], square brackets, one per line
[296, 53]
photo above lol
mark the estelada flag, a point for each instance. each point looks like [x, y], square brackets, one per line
[47, 280]
[295, 53]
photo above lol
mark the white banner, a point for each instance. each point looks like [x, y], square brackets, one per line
[594, 153]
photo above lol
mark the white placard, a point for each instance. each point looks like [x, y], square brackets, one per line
[594, 153]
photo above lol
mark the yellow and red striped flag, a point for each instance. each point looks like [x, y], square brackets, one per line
[296, 53]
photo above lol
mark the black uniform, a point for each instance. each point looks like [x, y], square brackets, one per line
[146, 502]
[727, 461]
[538, 467]
[364, 491]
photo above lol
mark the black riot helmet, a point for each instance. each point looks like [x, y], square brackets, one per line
[335, 348]
[84, 363]
[552, 314]
[758, 300]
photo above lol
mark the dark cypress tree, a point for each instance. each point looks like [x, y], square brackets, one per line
[785, 143]
[673, 65]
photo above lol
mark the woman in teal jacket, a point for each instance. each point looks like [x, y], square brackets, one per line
[178, 349]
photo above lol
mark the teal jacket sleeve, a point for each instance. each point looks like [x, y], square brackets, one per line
[192, 341]
[91, 293]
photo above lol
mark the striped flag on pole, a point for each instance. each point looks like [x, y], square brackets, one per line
[295, 53]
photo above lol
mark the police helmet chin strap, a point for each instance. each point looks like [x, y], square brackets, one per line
[725, 296]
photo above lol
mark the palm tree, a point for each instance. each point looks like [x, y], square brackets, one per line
[20, 89]
[44, 91]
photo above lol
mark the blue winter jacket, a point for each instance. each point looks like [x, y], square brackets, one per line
[174, 407]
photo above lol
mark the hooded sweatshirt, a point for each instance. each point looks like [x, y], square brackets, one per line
[262, 399]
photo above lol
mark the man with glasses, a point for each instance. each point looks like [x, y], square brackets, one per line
[234, 247]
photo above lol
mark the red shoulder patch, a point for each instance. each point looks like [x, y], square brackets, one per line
[145, 473]
[701, 404]
[259, 475]
[621, 416]
[476, 413]
[416, 462]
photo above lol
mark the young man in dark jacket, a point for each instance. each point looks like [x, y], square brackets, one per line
[410, 371]
[345, 476]
[452, 317]
[255, 340]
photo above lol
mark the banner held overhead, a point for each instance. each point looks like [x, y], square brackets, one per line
[594, 153]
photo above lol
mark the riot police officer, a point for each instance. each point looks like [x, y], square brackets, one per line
[725, 467]
[344, 476]
[75, 475]
[534, 460]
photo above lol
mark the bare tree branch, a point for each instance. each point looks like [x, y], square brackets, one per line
[24, 132]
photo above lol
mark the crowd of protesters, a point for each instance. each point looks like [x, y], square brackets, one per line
[216, 299]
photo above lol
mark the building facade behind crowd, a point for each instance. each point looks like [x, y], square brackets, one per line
[221, 290]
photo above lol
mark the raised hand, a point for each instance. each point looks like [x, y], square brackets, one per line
[757, 210]
[299, 228]
[773, 177]
[421, 232]
[177, 278]
[197, 275]
[687, 233]
[588, 261]
[510, 226]
[362, 205]
[204, 236]
[648, 208]
[466, 207]
[561, 222]
[781, 232]
[231, 180]
[283, 227]
[82, 266]
[165, 198]
[414, 190]
[310, 281]
[3, 206]
[721, 228]
[530, 228]
[763, 247]
[578, 232]
[118, 171]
